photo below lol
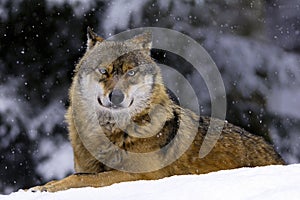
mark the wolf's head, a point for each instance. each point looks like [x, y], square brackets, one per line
[117, 80]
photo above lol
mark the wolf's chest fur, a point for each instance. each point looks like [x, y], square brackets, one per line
[125, 141]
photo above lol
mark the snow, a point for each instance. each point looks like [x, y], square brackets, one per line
[270, 182]
[280, 98]
[13, 107]
[79, 6]
[53, 112]
[283, 23]
[61, 153]
[119, 14]
[291, 142]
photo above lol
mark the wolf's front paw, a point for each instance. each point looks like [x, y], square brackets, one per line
[52, 186]
[37, 189]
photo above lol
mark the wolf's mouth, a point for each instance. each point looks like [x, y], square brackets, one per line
[111, 105]
[131, 102]
[99, 101]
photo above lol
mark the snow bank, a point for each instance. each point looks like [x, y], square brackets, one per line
[271, 182]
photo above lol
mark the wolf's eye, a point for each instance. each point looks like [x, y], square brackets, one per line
[131, 73]
[102, 71]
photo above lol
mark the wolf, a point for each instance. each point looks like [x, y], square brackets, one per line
[124, 126]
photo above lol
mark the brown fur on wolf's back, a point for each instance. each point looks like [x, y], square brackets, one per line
[235, 147]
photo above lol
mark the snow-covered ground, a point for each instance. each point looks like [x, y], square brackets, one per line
[271, 182]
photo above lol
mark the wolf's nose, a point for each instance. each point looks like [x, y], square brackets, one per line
[116, 97]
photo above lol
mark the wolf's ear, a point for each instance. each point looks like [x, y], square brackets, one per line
[144, 39]
[93, 38]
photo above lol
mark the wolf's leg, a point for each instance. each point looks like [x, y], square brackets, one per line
[90, 180]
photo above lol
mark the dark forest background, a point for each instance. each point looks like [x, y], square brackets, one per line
[255, 44]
